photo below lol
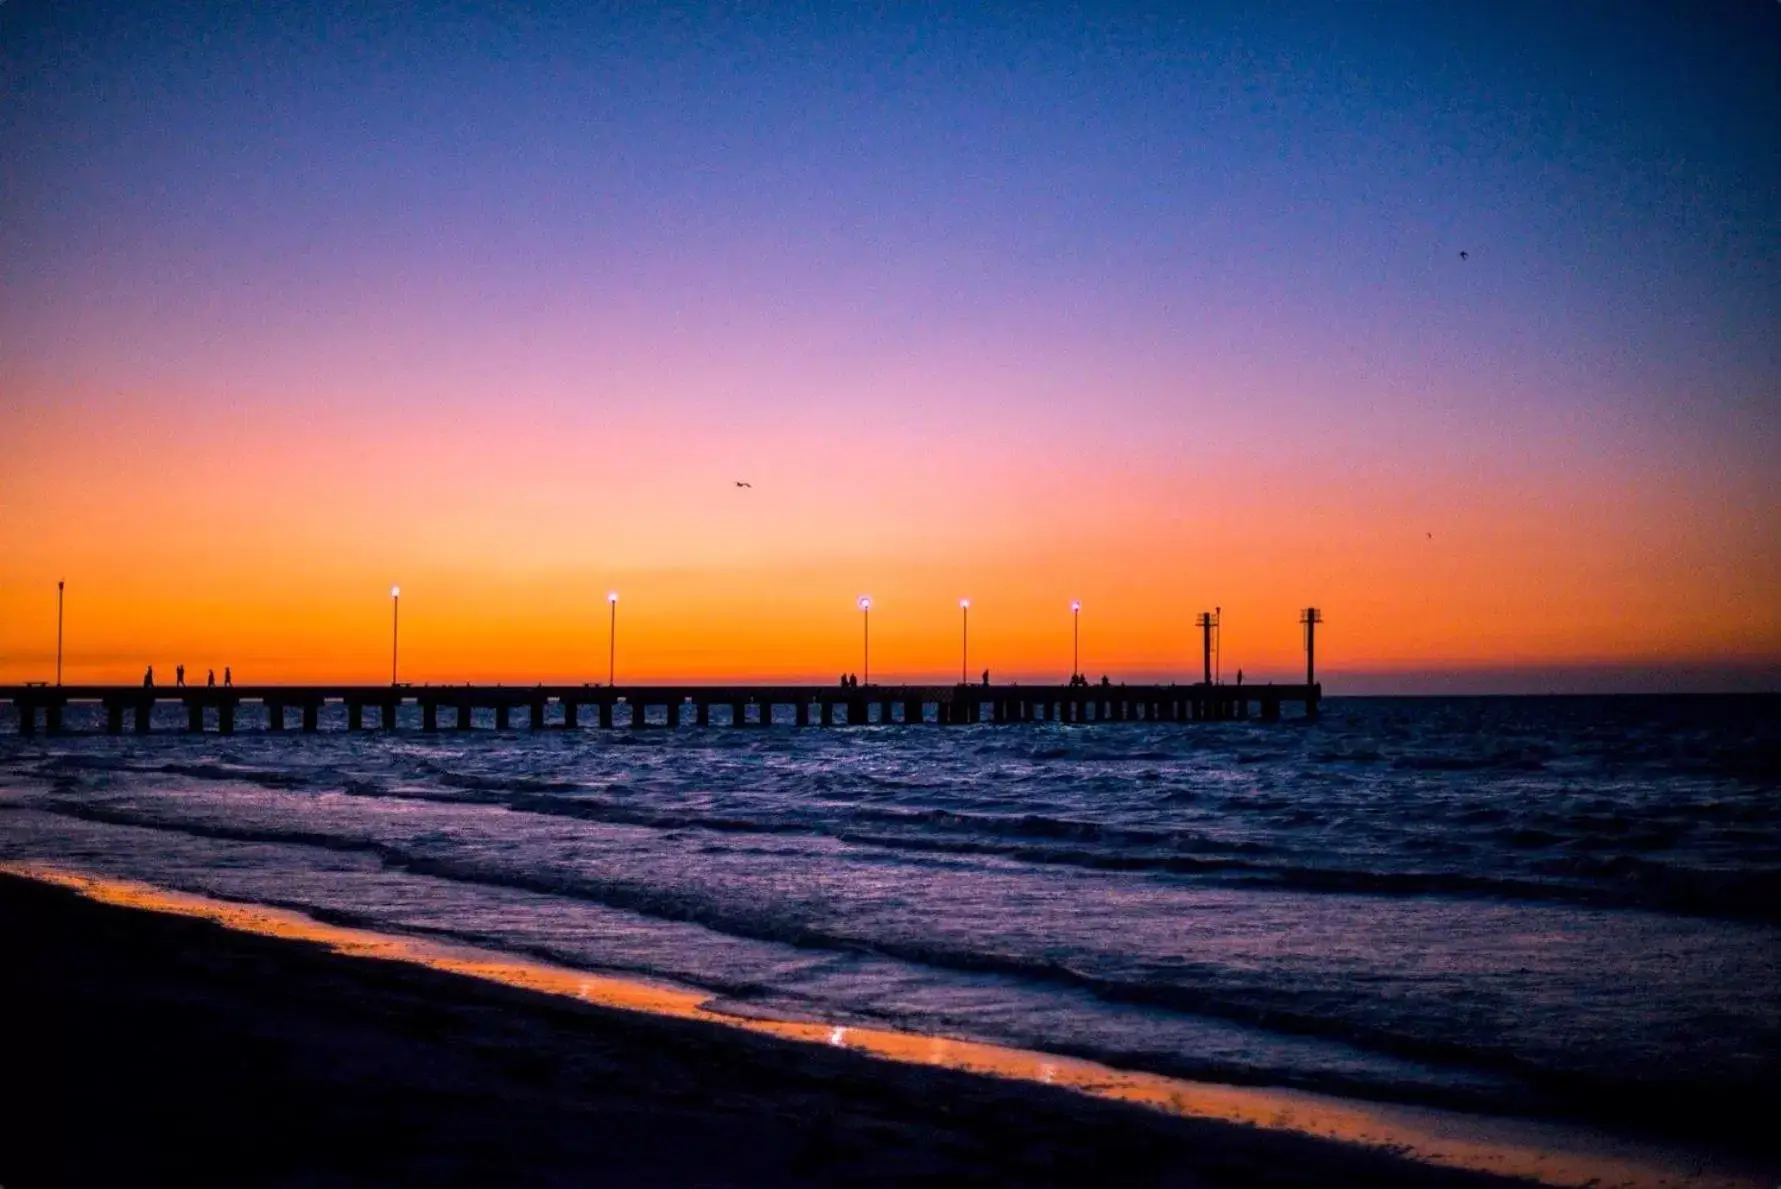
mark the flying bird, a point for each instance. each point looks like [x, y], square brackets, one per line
[740, 483]
[1464, 255]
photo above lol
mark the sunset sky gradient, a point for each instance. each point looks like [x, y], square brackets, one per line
[1155, 307]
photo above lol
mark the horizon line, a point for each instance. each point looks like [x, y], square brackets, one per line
[1549, 680]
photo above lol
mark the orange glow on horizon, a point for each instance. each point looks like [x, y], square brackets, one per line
[271, 547]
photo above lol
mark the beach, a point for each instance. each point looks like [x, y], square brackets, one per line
[159, 1049]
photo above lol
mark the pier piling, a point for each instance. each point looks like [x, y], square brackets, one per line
[41, 710]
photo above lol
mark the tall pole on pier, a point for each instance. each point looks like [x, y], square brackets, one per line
[1218, 645]
[965, 641]
[1311, 617]
[866, 638]
[59, 584]
[612, 637]
[1075, 638]
[1205, 623]
[395, 628]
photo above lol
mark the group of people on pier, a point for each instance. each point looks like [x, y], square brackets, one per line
[179, 677]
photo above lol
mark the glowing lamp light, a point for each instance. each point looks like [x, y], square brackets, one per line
[965, 603]
[865, 603]
[612, 596]
[395, 592]
[1075, 604]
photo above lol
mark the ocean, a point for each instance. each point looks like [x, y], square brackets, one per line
[1558, 907]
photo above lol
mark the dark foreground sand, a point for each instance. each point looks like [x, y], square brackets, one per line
[142, 1049]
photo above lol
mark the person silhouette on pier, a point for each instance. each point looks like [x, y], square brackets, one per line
[1239, 677]
[210, 678]
[179, 676]
[229, 677]
[986, 677]
[148, 678]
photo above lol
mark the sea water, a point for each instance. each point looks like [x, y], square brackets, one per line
[1563, 906]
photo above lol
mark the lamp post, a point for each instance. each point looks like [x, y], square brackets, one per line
[965, 641]
[612, 637]
[59, 584]
[866, 638]
[395, 628]
[1310, 618]
[1218, 645]
[1075, 638]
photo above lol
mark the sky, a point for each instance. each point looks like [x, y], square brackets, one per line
[1161, 308]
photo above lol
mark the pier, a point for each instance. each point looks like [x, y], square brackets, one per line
[274, 708]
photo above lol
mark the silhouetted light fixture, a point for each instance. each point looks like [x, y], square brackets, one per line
[866, 638]
[1207, 622]
[395, 628]
[1309, 619]
[612, 637]
[1075, 637]
[965, 641]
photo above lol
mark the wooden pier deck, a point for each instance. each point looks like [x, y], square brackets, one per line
[572, 707]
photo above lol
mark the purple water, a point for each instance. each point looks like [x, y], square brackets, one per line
[1566, 906]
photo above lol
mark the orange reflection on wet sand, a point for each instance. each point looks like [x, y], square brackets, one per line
[1550, 1154]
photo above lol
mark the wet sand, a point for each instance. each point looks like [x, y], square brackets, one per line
[158, 1047]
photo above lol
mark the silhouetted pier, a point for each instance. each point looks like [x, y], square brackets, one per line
[574, 707]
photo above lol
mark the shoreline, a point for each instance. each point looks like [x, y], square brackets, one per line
[1220, 1131]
